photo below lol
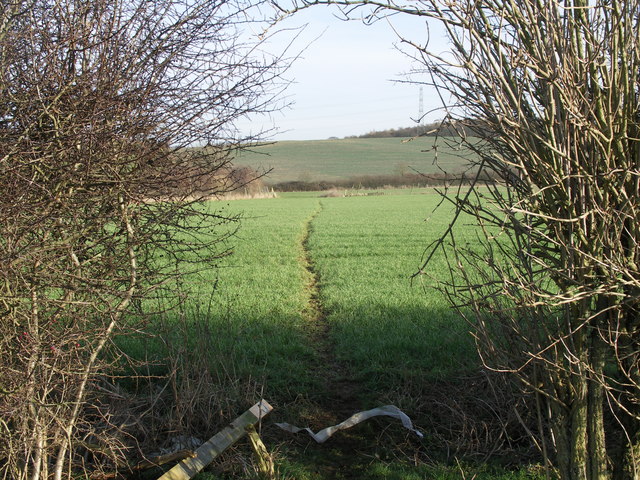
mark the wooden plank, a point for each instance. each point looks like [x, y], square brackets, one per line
[217, 444]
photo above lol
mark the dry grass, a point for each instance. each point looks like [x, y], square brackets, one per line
[249, 195]
[334, 192]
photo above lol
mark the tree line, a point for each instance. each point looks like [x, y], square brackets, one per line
[433, 129]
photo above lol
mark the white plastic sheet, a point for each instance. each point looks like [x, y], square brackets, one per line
[323, 435]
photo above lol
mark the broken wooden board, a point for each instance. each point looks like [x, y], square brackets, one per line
[217, 444]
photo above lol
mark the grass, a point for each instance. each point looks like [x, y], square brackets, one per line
[260, 295]
[388, 470]
[378, 466]
[395, 338]
[391, 331]
[342, 159]
[253, 301]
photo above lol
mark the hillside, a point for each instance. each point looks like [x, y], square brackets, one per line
[315, 160]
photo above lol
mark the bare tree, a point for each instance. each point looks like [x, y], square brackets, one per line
[115, 118]
[551, 92]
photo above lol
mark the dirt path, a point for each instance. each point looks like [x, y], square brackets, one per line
[339, 396]
[349, 453]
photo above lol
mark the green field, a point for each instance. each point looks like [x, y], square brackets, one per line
[315, 311]
[364, 249]
[391, 331]
[350, 157]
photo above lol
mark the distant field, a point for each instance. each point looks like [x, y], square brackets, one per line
[341, 159]
[364, 249]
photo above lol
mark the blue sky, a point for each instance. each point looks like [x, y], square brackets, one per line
[343, 83]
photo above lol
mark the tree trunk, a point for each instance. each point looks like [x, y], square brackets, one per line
[579, 433]
[597, 450]
[578, 454]
[578, 424]
[560, 429]
[632, 461]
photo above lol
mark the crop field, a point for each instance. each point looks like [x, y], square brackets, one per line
[363, 250]
[315, 312]
[389, 329]
[351, 157]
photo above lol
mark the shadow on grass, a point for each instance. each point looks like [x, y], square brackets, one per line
[384, 347]
[421, 360]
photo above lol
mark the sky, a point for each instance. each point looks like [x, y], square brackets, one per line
[346, 80]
